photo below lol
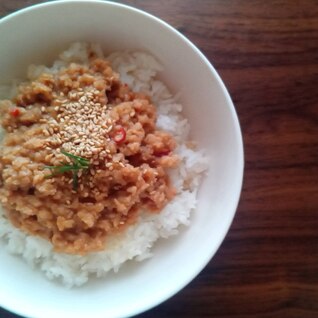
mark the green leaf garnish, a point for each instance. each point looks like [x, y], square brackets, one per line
[75, 181]
[78, 163]
[76, 159]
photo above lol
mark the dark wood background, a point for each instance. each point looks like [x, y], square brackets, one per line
[266, 51]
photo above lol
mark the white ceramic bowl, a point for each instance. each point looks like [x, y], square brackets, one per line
[36, 35]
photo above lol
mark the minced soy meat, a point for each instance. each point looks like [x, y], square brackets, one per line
[84, 111]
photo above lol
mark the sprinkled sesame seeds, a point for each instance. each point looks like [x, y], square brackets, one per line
[84, 117]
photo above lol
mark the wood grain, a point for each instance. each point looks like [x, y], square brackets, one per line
[267, 54]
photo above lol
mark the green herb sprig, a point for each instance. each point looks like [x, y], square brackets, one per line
[78, 163]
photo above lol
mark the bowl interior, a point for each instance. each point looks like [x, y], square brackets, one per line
[36, 36]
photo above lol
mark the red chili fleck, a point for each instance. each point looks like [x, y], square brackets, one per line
[14, 112]
[120, 135]
[162, 153]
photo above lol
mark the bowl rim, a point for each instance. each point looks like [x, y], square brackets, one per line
[229, 102]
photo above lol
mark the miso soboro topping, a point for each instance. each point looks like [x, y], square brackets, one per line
[82, 157]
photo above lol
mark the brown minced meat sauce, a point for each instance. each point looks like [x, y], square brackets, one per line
[86, 111]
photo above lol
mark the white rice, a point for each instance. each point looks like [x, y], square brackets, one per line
[139, 71]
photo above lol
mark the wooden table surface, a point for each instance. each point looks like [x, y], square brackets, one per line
[267, 54]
